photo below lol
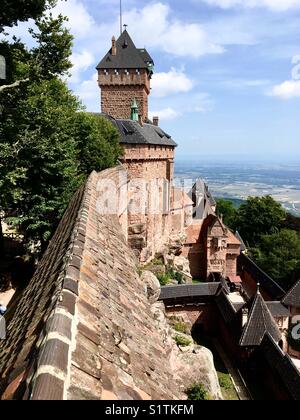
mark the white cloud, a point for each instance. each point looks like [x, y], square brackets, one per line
[276, 5]
[154, 27]
[172, 82]
[81, 62]
[165, 114]
[89, 92]
[80, 22]
[287, 90]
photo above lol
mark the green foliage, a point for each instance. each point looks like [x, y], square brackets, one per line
[97, 141]
[198, 392]
[259, 216]
[226, 209]
[13, 11]
[225, 381]
[279, 256]
[293, 342]
[168, 275]
[292, 222]
[47, 144]
[182, 341]
[163, 278]
[38, 156]
[181, 327]
[179, 277]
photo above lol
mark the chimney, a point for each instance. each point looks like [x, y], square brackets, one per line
[156, 121]
[141, 122]
[113, 46]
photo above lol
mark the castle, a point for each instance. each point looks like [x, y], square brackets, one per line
[124, 76]
[89, 327]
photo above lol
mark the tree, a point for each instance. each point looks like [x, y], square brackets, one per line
[13, 11]
[198, 392]
[292, 222]
[48, 145]
[226, 209]
[259, 216]
[39, 171]
[97, 143]
[279, 256]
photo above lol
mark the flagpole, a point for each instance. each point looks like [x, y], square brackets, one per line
[121, 20]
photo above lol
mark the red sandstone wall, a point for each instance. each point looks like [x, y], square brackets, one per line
[117, 100]
[119, 89]
[149, 168]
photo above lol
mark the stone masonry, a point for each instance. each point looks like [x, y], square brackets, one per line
[83, 328]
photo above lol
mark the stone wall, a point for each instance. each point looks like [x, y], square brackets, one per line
[151, 171]
[119, 89]
[84, 328]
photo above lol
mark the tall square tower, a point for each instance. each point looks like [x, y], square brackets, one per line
[124, 74]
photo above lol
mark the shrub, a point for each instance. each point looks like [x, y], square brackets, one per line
[198, 392]
[225, 381]
[180, 327]
[182, 341]
[179, 277]
[163, 278]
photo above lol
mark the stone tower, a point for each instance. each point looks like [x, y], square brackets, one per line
[124, 75]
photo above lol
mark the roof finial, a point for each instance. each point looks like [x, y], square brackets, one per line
[258, 288]
[125, 27]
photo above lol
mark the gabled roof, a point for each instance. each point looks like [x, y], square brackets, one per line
[292, 298]
[243, 245]
[259, 323]
[133, 133]
[278, 310]
[127, 57]
[267, 283]
[189, 290]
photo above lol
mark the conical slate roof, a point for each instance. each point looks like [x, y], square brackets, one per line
[127, 57]
[259, 323]
[292, 298]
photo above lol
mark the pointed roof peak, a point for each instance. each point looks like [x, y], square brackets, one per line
[127, 55]
[259, 323]
[292, 298]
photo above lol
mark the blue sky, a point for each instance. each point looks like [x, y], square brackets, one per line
[227, 72]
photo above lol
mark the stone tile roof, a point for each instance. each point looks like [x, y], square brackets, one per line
[81, 328]
[226, 308]
[133, 133]
[243, 246]
[292, 298]
[232, 239]
[267, 283]
[188, 290]
[278, 310]
[260, 322]
[127, 57]
[39, 310]
[282, 364]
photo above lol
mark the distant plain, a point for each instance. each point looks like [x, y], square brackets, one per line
[238, 181]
